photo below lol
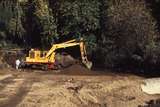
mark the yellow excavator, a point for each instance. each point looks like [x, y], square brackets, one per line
[47, 59]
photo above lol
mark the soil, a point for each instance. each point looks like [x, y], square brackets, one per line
[74, 86]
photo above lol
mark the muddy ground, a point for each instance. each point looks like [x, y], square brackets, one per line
[72, 87]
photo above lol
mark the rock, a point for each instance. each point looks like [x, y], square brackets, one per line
[151, 86]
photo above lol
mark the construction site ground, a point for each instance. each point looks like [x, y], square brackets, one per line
[71, 87]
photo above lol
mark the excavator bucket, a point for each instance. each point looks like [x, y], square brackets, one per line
[88, 64]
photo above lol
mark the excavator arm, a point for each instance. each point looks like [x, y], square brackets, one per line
[72, 43]
[60, 46]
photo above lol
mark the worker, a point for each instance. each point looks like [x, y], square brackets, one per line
[18, 63]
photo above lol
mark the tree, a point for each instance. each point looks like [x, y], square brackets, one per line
[40, 23]
[130, 32]
[80, 19]
[10, 20]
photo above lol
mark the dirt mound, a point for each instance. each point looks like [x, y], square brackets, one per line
[10, 59]
[81, 70]
[64, 60]
[77, 70]
[9, 56]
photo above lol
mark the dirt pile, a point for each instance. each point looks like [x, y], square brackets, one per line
[81, 70]
[64, 60]
[77, 69]
[8, 57]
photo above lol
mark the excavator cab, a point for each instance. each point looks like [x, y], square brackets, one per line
[36, 53]
[33, 55]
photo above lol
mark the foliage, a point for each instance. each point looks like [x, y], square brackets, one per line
[130, 32]
[79, 17]
[43, 21]
[10, 20]
[2, 39]
[15, 28]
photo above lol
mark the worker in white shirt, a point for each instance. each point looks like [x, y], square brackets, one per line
[18, 63]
